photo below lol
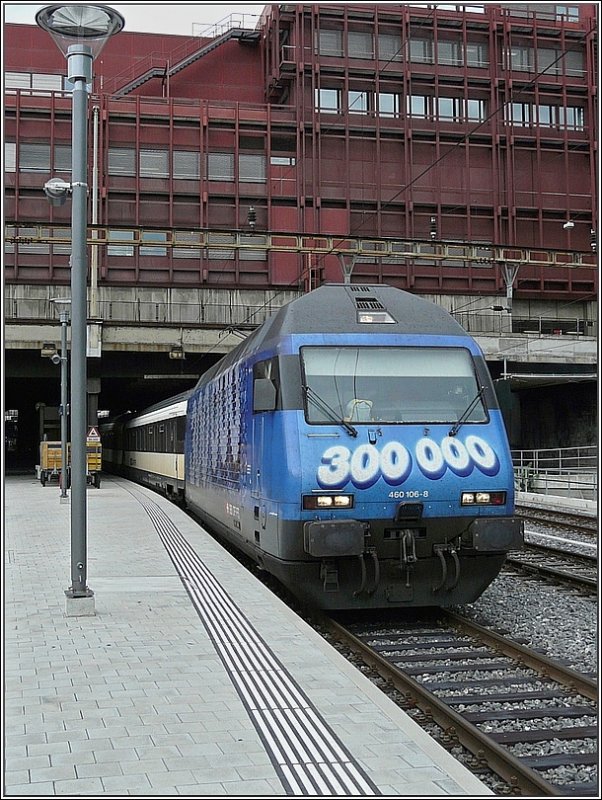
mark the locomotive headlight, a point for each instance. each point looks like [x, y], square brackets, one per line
[314, 501]
[483, 498]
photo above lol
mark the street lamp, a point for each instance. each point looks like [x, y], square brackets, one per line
[80, 33]
[62, 304]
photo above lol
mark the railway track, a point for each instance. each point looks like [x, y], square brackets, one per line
[531, 720]
[577, 569]
[557, 518]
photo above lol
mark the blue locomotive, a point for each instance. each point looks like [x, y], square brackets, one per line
[353, 446]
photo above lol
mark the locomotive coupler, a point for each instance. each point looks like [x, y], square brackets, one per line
[441, 550]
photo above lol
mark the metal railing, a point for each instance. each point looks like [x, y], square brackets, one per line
[564, 471]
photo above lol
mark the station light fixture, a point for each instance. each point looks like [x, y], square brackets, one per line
[177, 353]
[48, 350]
[80, 32]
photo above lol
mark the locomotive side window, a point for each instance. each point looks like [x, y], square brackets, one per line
[390, 385]
[266, 385]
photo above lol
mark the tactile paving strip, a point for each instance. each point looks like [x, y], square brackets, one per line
[307, 755]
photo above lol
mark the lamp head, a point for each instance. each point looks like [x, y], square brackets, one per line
[56, 191]
[80, 25]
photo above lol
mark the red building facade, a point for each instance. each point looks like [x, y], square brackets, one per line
[444, 143]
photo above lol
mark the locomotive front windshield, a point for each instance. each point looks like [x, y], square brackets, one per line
[390, 385]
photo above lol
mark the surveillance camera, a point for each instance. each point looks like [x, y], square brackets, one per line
[56, 191]
[56, 359]
[568, 225]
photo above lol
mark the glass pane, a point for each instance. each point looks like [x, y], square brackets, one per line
[360, 44]
[389, 47]
[358, 102]
[390, 384]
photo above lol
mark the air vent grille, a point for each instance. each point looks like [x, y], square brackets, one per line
[368, 304]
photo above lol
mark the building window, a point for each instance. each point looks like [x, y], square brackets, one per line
[477, 54]
[122, 161]
[282, 161]
[520, 59]
[546, 116]
[62, 158]
[253, 255]
[10, 156]
[120, 249]
[41, 82]
[220, 253]
[360, 44]
[185, 241]
[153, 236]
[154, 164]
[574, 62]
[417, 106]
[421, 51]
[569, 13]
[519, 114]
[328, 101]
[330, 42]
[560, 62]
[17, 80]
[251, 168]
[571, 118]
[186, 165]
[388, 104]
[389, 47]
[476, 110]
[358, 102]
[220, 166]
[449, 108]
[450, 53]
[34, 157]
[543, 11]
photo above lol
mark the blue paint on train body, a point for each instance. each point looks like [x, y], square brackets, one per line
[421, 470]
[352, 445]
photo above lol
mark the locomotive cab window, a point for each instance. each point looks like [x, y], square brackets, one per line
[390, 385]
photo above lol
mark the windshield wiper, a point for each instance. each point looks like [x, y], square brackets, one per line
[466, 413]
[323, 406]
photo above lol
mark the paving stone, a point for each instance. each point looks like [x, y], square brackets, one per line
[135, 700]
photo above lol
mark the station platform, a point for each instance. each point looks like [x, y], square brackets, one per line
[189, 678]
[551, 502]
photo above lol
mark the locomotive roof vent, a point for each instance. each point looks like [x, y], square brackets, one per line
[368, 302]
[370, 311]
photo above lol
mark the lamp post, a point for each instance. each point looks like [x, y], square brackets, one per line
[80, 32]
[61, 304]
